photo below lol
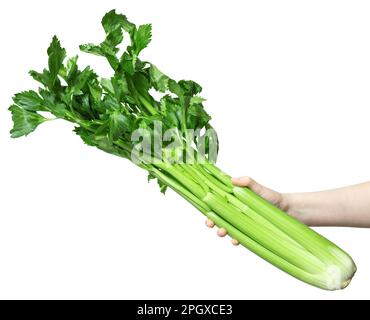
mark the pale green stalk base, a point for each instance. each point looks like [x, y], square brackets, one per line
[259, 226]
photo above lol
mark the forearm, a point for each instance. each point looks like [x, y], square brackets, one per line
[349, 206]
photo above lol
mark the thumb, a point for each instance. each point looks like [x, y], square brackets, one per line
[248, 182]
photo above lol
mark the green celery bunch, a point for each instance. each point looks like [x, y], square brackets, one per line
[107, 113]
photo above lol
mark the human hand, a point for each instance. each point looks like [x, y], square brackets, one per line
[346, 207]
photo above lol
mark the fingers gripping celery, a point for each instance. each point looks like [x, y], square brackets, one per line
[107, 114]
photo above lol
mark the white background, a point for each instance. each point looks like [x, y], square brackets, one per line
[288, 86]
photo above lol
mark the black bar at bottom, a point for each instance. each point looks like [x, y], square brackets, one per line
[178, 309]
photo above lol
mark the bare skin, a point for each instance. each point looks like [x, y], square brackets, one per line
[344, 207]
